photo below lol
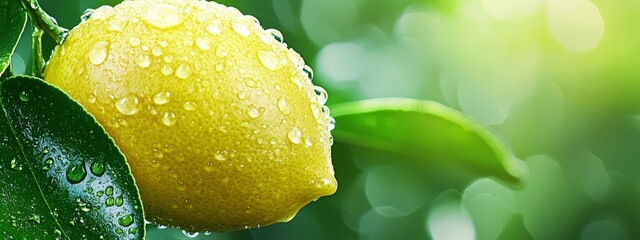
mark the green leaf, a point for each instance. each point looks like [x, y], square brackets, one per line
[426, 130]
[13, 19]
[62, 177]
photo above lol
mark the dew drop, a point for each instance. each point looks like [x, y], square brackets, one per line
[143, 60]
[86, 14]
[190, 234]
[103, 12]
[308, 71]
[109, 191]
[295, 135]
[221, 51]
[166, 70]
[168, 59]
[163, 43]
[98, 52]
[269, 60]
[283, 106]
[109, 201]
[277, 35]
[92, 98]
[119, 201]
[295, 58]
[307, 142]
[169, 119]
[24, 96]
[183, 71]
[76, 172]
[128, 105]
[221, 155]
[332, 123]
[190, 106]
[134, 42]
[317, 113]
[253, 112]
[163, 16]
[126, 221]
[48, 164]
[162, 98]
[97, 168]
[214, 28]
[322, 94]
[241, 26]
[156, 51]
[250, 82]
[35, 218]
[242, 95]
[203, 44]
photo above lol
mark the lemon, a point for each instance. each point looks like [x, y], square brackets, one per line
[218, 119]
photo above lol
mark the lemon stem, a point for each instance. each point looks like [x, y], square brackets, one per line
[36, 47]
[43, 21]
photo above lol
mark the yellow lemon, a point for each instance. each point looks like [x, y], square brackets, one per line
[218, 119]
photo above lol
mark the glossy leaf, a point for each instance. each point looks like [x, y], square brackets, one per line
[426, 130]
[62, 177]
[13, 19]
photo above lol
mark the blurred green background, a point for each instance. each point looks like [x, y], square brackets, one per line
[557, 80]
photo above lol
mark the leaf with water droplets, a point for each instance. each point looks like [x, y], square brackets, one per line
[56, 164]
[428, 131]
[12, 22]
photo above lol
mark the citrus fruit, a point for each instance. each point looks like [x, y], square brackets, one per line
[218, 119]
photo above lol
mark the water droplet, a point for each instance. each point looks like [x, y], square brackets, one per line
[203, 44]
[163, 43]
[169, 119]
[242, 95]
[109, 201]
[308, 71]
[86, 14]
[250, 82]
[221, 155]
[322, 94]
[119, 201]
[253, 112]
[283, 106]
[57, 233]
[161, 227]
[126, 221]
[166, 70]
[116, 25]
[189, 234]
[143, 60]
[163, 16]
[162, 98]
[35, 218]
[97, 168]
[24, 96]
[76, 172]
[221, 51]
[214, 28]
[128, 105]
[332, 123]
[92, 98]
[109, 191]
[98, 52]
[168, 59]
[307, 142]
[269, 60]
[295, 58]
[190, 106]
[241, 26]
[277, 35]
[134, 42]
[295, 135]
[156, 51]
[103, 12]
[183, 71]
[219, 68]
[48, 164]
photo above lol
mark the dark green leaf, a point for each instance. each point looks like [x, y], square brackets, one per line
[61, 174]
[12, 22]
[426, 130]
